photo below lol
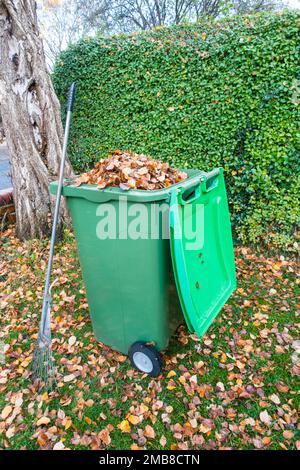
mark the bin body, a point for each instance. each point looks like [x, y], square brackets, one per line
[129, 283]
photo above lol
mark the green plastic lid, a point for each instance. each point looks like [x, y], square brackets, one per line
[202, 249]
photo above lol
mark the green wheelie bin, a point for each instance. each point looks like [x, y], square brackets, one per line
[152, 259]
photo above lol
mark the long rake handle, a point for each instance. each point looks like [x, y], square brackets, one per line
[45, 320]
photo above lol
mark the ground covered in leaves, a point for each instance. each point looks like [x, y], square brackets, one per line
[237, 388]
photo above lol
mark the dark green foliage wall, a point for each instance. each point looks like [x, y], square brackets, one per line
[200, 96]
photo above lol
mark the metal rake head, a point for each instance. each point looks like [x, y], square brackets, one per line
[43, 370]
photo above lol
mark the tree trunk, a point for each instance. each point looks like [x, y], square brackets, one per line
[31, 116]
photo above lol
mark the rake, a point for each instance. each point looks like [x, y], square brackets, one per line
[43, 366]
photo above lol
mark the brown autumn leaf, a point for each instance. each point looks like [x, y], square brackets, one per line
[67, 423]
[266, 440]
[275, 398]
[102, 184]
[89, 402]
[288, 434]
[144, 408]
[149, 432]
[10, 432]
[105, 436]
[133, 419]
[43, 420]
[258, 442]
[83, 179]
[69, 378]
[205, 427]
[172, 373]
[59, 446]
[174, 446]
[265, 417]
[135, 447]
[281, 387]
[42, 439]
[6, 411]
[121, 358]
[124, 426]
[296, 370]
[72, 340]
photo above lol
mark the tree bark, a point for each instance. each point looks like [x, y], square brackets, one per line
[31, 116]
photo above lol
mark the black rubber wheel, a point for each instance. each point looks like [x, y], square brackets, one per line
[145, 358]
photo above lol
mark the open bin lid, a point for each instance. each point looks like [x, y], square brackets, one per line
[202, 249]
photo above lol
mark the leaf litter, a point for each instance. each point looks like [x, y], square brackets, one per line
[128, 170]
[236, 388]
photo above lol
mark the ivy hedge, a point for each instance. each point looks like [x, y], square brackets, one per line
[199, 96]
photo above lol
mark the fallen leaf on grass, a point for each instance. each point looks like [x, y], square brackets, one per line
[149, 432]
[220, 387]
[105, 436]
[19, 402]
[89, 402]
[266, 440]
[26, 362]
[258, 443]
[275, 399]
[72, 340]
[121, 358]
[296, 370]
[206, 426]
[172, 373]
[6, 411]
[133, 419]
[69, 378]
[67, 423]
[59, 446]
[124, 426]
[265, 417]
[135, 447]
[143, 408]
[288, 434]
[10, 432]
[281, 387]
[43, 420]
[42, 440]
[171, 385]
[45, 396]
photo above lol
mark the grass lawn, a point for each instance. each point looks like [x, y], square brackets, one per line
[236, 388]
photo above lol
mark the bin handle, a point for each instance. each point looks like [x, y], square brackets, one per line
[190, 194]
[190, 190]
[210, 180]
[207, 182]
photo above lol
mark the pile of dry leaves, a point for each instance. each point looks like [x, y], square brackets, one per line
[131, 171]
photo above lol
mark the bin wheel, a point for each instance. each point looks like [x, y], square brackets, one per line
[145, 358]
